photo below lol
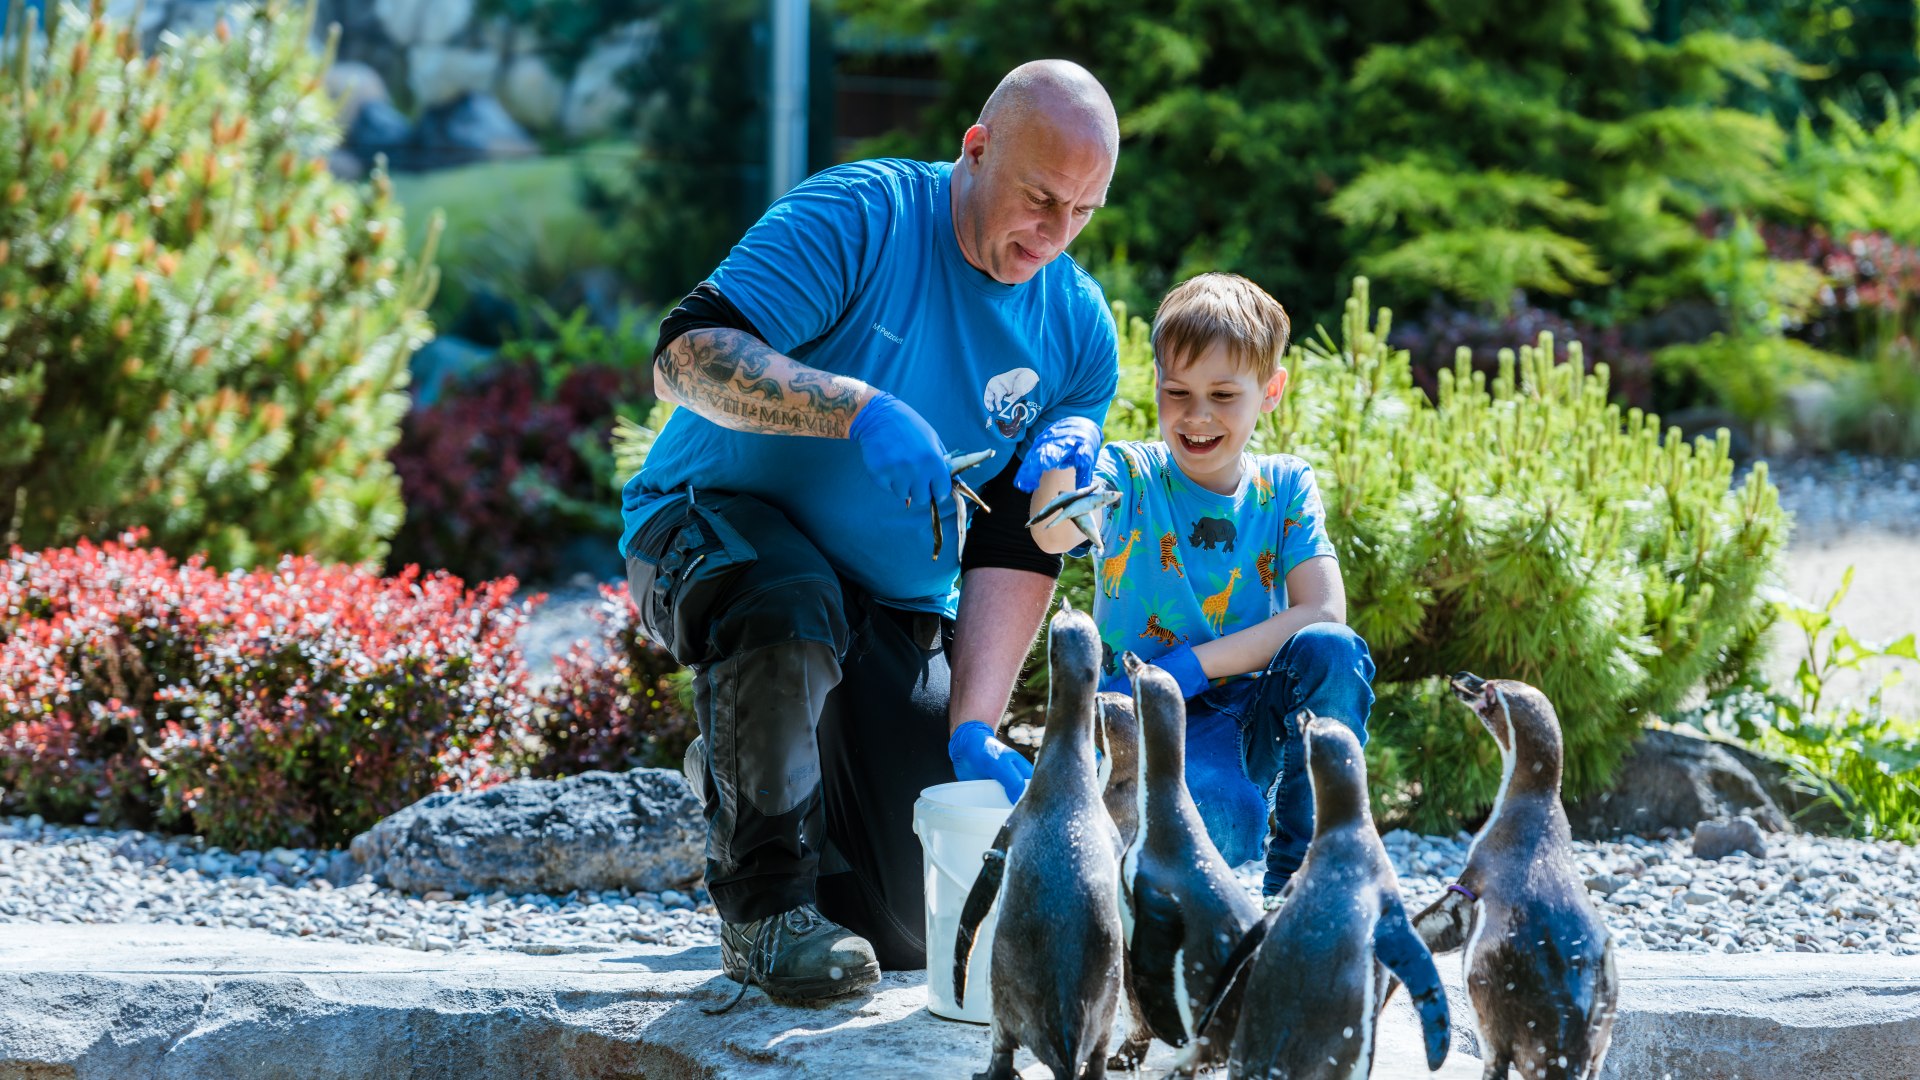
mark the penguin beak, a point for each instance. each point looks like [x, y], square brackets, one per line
[1468, 687]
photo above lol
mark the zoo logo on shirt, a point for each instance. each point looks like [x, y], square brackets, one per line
[1008, 405]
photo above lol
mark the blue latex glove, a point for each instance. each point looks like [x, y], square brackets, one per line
[1180, 663]
[902, 451]
[1069, 443]
[977, 755]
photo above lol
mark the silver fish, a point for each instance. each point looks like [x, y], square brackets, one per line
[958, 462]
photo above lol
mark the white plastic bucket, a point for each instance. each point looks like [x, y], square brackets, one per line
[956, 824]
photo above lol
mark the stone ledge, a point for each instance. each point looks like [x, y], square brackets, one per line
[163, 1001]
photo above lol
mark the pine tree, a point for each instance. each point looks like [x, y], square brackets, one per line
[1555, 148]
[201, 332]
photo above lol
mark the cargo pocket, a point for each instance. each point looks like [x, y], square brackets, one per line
[680, 565]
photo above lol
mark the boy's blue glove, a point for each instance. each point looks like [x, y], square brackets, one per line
[1068, 443]
[901, 450]
[977, 755]
[1180, 663]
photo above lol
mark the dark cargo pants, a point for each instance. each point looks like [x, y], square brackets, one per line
[823, 715]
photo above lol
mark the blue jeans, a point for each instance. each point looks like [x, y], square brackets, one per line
[1246, 759]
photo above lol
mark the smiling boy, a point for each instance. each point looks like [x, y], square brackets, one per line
[1217, 567]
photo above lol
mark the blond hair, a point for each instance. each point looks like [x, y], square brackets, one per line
[1225, 308]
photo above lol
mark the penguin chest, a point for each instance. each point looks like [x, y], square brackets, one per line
[1312, 998]
[1535, 970]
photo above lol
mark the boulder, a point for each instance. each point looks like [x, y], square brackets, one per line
[363, 40]
[640, 830]
[423, 22]
[355, 85]
[153, 17]
[147, 1000]
[471, 129]
[439, 74]
[1803, 806]
[532, 93]
[1719, 839]
[1669, 782]
[187, 17]
[379, 128]
[598, 99]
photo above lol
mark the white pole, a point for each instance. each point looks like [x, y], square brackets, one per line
[787, 133]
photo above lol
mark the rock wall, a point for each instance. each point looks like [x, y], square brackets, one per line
[432, 83]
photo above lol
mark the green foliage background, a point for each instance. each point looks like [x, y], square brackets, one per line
[201, 331]
[1522, 527]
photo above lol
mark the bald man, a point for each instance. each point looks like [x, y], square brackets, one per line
[781, 538]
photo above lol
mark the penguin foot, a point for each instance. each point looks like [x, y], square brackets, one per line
[1131, 1053]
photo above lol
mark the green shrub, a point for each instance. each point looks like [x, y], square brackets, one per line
[201, 331]
[1521, 527]
[509, 471]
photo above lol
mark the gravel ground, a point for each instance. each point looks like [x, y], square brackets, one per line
[52, 873]
[1810, 895]
[1862, 513]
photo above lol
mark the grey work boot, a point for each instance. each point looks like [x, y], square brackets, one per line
[796, 956]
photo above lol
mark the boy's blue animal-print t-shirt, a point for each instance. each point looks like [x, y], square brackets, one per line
[1185, 565]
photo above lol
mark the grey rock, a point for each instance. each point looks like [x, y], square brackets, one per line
[1719, 839]
[438, 74]
[597, 100]
[187, 17]
[639, 830]
[173, 1001]
[1672, 781]
[532, 93]
[1608, 884]
[423, 22]
[469, 129]
[380, 128]
[354, 85]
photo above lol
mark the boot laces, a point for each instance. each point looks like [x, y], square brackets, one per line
[799, 920]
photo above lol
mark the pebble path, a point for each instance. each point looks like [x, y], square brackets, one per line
[1811, 894]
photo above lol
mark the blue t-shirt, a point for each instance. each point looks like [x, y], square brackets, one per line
[856, 271]
[1185, 565]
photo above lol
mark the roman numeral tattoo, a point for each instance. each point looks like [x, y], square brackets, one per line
[737, 381]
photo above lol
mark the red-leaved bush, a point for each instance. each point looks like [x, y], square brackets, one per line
[621, 705]
[296, 705]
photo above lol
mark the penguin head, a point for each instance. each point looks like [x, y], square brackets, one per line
[1118, 732]
[1162, 716]
[1073, 649]
[1520, 719]
[1338, 771]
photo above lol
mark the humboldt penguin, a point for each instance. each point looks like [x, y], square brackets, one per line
[1539, 959]
[1054, 870]
[1119, 734]
[1181, 907]
[1316, 969]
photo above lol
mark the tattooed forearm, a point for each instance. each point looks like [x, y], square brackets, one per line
[738, 381]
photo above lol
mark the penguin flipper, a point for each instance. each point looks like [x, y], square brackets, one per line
[1396, 945]
[1159, 928]
[986, 888]
[1443, 925]
[1233, 971]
